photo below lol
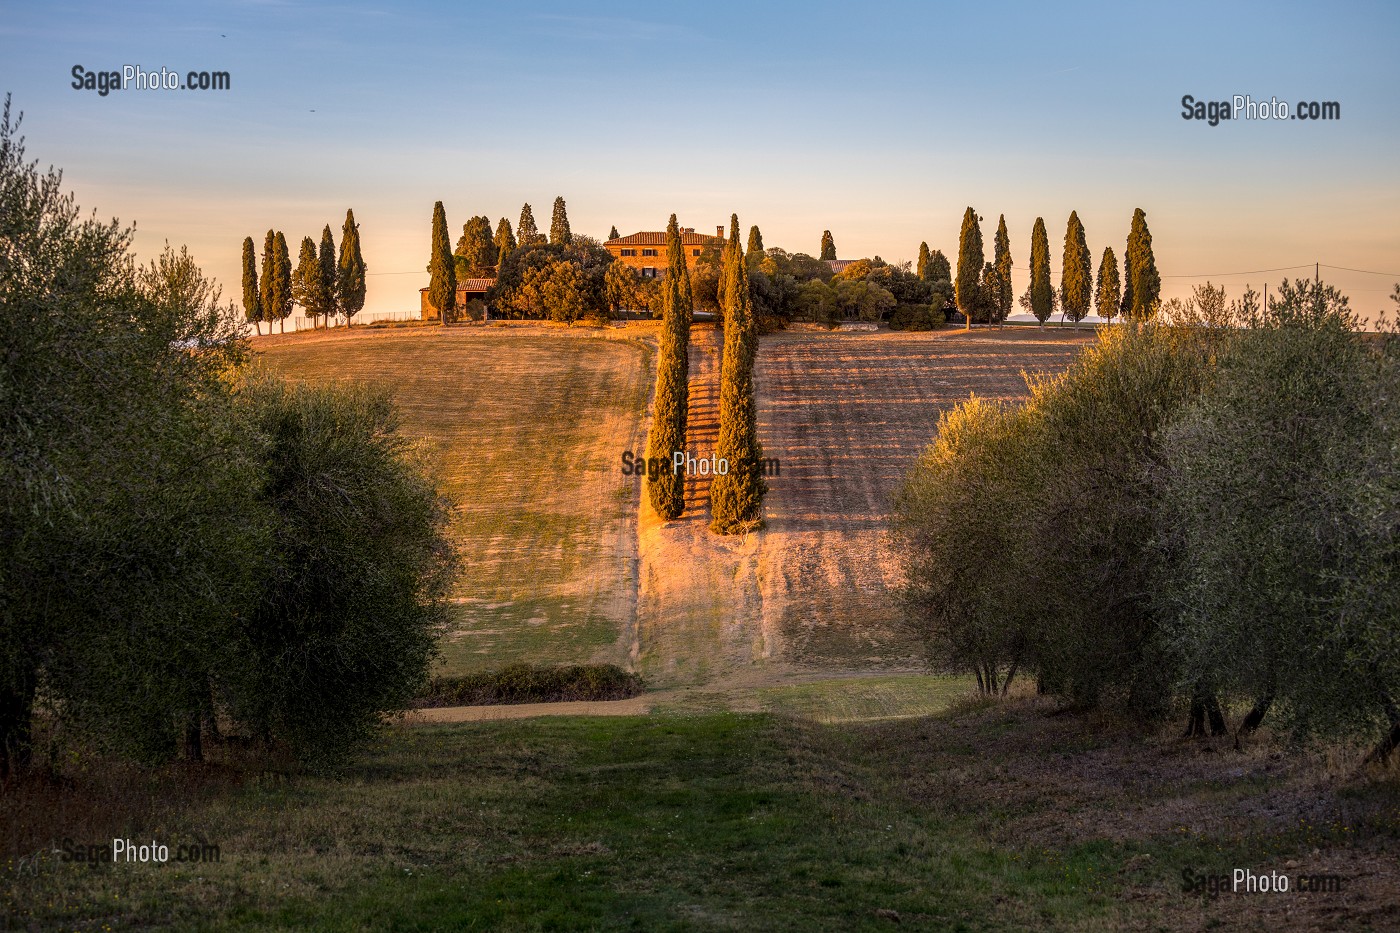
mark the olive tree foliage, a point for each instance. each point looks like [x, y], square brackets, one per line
[1055, 509]
[956, 520]
[356, 576]
[156, 533]
[1281, 521]
[122, 519]
[1099, 426]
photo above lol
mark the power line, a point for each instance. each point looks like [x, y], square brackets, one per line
[1221, 275]
[1395, 275]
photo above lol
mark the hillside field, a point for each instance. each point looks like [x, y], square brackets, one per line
[524, 428]
[564, 561]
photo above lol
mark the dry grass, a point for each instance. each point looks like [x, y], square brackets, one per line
[527, 425]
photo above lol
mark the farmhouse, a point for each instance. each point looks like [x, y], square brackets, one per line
[467, 289]
[646, 252]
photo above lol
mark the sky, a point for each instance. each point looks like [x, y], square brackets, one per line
[879, 122]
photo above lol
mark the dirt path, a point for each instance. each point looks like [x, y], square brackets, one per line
[636, 706]
[699, 605]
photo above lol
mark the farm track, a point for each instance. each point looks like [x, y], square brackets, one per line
[699, 609]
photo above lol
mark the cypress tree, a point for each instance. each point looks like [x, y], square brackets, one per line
[613, 234]
[350, 275]
[504, 241]
[307, 289]
[476, 247]
[1001, 261]
[282, 283]
[726, 259]
[1042, 294]
[1142, 286]
[922, 269]
[442, 282]
[1076, 271]
[755, 247]
[828, 246]
[940, 269]
[1108, 291]
[526, 233]
[329, 286]
[266, 298]
[667, 435]
[989, 296]
[736, 497]
[968, 286]
[559, 233]
[252, 301]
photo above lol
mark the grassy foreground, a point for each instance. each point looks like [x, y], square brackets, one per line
[991, 817]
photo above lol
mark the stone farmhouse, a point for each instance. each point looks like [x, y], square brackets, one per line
[646, 252]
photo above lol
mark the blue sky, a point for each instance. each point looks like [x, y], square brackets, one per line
[880, 122]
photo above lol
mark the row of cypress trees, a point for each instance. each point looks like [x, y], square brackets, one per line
[736, 497]
[322, 284]
[983, 290]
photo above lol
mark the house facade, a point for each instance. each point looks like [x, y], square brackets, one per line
[646, 252]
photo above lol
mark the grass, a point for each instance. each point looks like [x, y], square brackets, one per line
[866, 699]
[991, 817]
[526, 430]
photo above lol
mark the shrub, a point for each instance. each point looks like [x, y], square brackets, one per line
[915, 317]
[524, 683]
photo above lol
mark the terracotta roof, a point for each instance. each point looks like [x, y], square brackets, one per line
[471, 285]
[658, 238]
[838, 264]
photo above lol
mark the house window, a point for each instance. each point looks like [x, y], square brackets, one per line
[648, 252]
[627, 252]
[648, 272]
[695, 252]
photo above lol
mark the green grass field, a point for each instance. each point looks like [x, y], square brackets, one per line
[526, 430]
[991, 816]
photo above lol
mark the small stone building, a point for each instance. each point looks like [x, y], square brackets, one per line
[467, 289]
